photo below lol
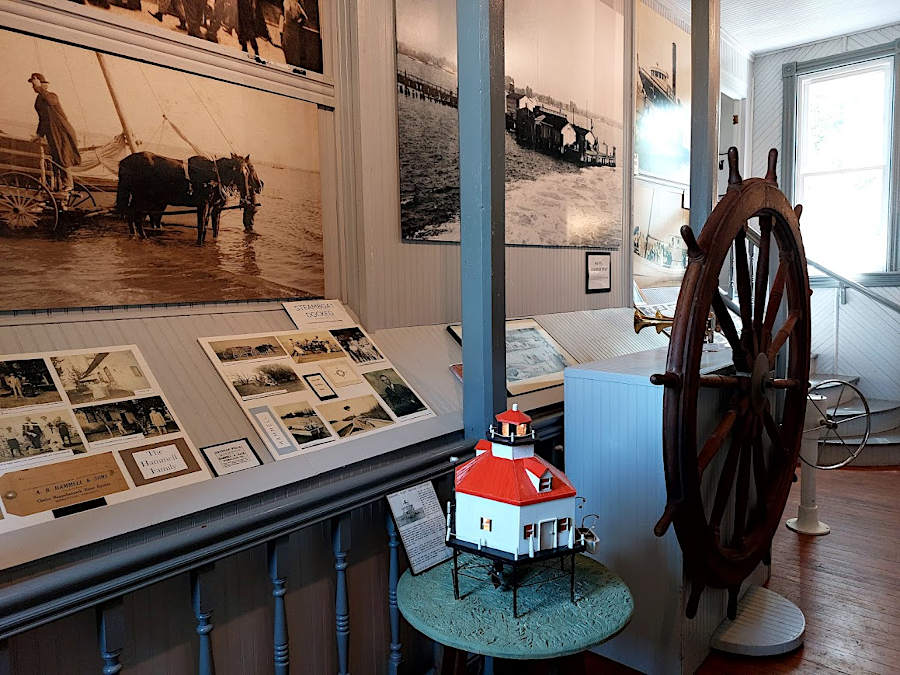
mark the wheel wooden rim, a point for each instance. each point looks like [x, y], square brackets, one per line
[26, 203]
[749, 458]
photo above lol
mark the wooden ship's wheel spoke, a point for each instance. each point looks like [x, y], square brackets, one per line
[727, 488]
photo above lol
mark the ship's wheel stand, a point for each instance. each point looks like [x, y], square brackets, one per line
[726, 492]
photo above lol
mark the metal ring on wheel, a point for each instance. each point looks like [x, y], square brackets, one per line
[831, 423]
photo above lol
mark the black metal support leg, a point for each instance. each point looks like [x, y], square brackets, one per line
[456, 574]
[572, 578]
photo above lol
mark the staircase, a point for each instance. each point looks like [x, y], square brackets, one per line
[883, 446]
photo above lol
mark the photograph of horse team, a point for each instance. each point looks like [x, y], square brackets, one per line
[123, 182]
[564, 122]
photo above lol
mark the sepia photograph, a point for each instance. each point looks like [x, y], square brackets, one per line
[357, 345]
[265, 379]
[662, 137]
[394, 391]
[142, 417]
[28, 435]
[124, 182]
[355, 416]
[26, 382]
[303, 423]
[270, 31]
[247, 348]
[306, 347]
[100, 376]
[565, 99]
[659, 254]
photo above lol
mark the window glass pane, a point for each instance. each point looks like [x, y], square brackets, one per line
[844, 224]
[844, 121]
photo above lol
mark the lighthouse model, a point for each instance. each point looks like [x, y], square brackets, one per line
[512, 506]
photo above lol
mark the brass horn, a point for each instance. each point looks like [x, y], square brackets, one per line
[641, 321]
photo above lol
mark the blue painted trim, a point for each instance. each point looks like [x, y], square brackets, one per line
[277, 560]
[111, 635]
[341, 544]
[396, 657]
[201, 602]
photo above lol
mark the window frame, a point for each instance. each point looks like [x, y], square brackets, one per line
[790, 73]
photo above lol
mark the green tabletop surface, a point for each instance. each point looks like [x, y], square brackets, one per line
[549, 624]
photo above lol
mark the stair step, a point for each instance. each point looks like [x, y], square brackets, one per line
[832, 390]
[881, 449]
[885, 415]
[889, 437]
[816, 378]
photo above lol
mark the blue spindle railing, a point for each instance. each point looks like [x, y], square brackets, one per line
[393, 576]
[201, 597]
[278, 575]
[341, 543]
[111, 632]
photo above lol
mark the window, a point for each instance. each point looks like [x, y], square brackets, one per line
[839, 142]
[486, 524]
[545, 484]
[136, 371]
[562, 525]
[529, 531]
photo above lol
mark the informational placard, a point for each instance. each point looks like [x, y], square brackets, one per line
[318, 314]
[85, 427]
[230, 457]
[598, 276]
[321, 384]
[422, 526]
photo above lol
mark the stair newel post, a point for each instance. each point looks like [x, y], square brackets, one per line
[111, 634]
[277, 559]
[340, 534]
[393, 577]
[202, 601]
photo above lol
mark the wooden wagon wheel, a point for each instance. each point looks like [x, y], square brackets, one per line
[26, 203]
[726, 492]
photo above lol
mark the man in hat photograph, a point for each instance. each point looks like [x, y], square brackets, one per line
[54, 126]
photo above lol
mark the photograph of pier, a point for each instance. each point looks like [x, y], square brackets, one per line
[564, 120]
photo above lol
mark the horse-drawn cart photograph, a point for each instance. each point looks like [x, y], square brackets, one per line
[132, 182]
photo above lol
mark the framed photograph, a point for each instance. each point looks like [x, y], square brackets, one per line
[598, 274]
[534, 360]
[230, 457]
[320, 386]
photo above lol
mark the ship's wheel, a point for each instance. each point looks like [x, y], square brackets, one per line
[726, 490]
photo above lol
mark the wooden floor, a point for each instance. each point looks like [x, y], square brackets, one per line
[847, 583]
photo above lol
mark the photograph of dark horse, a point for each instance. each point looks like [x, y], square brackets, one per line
[149, 183]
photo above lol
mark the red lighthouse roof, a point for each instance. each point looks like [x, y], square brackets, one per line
[507, 480]
[514, 416]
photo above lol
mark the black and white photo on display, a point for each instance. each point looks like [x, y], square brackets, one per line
[100, 376]
[357, 345]
[303, 423]
[564, 120]
[314, 346]
[264, 379]
[247, 348]
[26, 382]
[356, 415]
[273, 31]
[125, 182]
[38, 433]
[394, 391]
[135, 417]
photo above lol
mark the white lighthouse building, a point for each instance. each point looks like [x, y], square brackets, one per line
[510, 500]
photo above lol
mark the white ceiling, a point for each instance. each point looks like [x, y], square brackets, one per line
[766, 25]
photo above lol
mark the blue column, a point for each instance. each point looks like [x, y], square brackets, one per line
[341, 544]
[5, 663]
[482, 165]
[111, 633]
[277, 552]
[201, 598]
[393, 577]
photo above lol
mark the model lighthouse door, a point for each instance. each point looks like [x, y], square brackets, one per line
[548, 534]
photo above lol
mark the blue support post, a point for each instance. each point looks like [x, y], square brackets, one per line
[482, 165]
[277, 554]
[341, 543]
[111, 633]
[5, 664]
[393, 577]
[201, 598]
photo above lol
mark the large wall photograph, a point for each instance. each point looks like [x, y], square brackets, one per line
[272, 31]
[564, 121]
[105, 163]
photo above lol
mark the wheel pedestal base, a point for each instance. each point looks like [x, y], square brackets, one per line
[767, 624]
[807, 522]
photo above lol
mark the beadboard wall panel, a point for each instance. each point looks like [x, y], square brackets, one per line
[418, 283]
[822, 342]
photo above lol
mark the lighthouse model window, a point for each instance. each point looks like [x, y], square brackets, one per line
[512, 510]
[123, 182]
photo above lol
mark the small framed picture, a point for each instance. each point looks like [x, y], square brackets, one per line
[320, 386]
[598, 272]
[229, 457]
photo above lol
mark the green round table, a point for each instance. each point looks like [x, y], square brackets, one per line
[549, 624]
